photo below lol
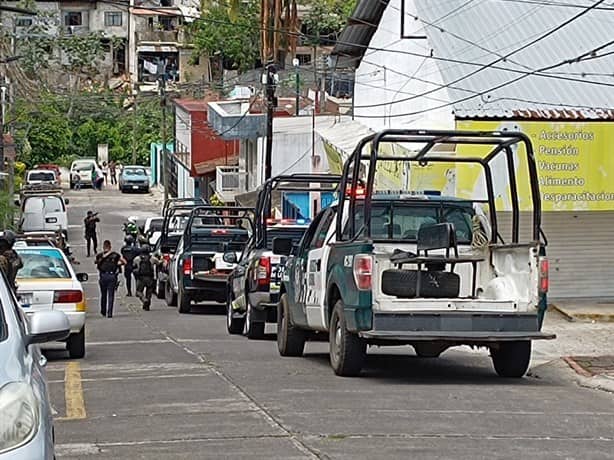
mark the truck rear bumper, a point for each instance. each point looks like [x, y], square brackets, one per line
[459, 327]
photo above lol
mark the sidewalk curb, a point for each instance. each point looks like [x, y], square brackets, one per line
[587, 379]
[572, 317]
[567, 316]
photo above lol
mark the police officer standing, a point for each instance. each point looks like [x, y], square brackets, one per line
[109, 264]
[90, 221]
[10, 262]
[129, 252]
[143, 267]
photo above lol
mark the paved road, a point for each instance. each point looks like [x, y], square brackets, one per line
[162, 385]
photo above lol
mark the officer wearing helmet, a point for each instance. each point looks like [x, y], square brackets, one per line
[10, 262]
[131, 228]
[129, 251]
[143, 269]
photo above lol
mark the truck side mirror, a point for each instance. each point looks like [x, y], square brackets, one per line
[282, 246]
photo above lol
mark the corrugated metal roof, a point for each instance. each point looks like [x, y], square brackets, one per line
[355, 37]
[498, 27]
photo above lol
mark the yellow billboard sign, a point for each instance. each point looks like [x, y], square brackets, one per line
[575, 164]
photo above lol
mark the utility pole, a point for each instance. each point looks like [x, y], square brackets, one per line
[296, 63]
[135, 92]
[163, 101]
[270, 79]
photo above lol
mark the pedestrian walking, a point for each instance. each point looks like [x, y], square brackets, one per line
[129, 252]
[109, 264]
[10, 262]
[90, 221]
[99, 178]
[143, 268]
[113, 172]
[105, 172]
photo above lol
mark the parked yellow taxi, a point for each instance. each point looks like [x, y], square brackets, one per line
[48, 281]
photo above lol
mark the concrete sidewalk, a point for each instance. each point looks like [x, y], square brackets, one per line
[585, 309]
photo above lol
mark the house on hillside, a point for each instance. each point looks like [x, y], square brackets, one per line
[498, 65]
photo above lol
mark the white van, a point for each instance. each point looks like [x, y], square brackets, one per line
[43, 213]
[81, 171]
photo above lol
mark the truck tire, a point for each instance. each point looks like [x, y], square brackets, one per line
[347, 350]
[159, 289]
[169, 295]
[76, 344]
[434, 284]
[290, 339]
[183, 302]
[234, 325]
[511, 359]
[253, 329]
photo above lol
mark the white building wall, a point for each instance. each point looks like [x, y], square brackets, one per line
[386, 77]
[183, 129]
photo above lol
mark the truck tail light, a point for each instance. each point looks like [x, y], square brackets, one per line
[363, 271]
[69, 296]
[263, 272]
[544, 272]
[187, 266]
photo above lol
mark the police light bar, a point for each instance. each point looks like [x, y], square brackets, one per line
[271, 221]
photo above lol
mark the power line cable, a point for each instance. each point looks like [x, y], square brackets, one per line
[502, 58]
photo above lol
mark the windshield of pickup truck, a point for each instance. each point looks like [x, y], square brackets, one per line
[296, 233]
[401, 221]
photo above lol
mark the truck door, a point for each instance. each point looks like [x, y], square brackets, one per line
[317, 259]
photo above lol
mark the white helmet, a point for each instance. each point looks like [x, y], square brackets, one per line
[132, 219]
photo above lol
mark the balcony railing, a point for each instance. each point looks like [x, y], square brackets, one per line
[231, 120]
[76, 30]
[158, 36]
[228, 183]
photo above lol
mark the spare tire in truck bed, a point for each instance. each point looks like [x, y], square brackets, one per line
[434, 284]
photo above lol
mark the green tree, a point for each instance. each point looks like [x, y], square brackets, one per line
[230, 32]
[326, 19]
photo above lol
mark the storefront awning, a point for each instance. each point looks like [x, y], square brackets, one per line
[140, 11]
[156, 49]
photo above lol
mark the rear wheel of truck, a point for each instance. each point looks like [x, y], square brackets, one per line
[511, 359]
[253, 329]
[290, 339]
[159, 289]
[183, 302]
[169, 295]
[234, 325]
[76, 344]
[347, 350]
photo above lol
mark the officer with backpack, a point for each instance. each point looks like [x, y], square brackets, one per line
[10, 262]
[129, 252]
[143, 269]
[109, 264]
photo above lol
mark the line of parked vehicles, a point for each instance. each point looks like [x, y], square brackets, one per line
[373, 266]
[376, 266]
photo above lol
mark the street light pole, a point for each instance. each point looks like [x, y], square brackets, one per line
[296, 62]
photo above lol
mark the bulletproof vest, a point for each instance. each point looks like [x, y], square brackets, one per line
[109, 263]
[145, 266]
[129, 252]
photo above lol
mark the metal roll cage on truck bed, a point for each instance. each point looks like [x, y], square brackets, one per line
[288, 183]
[466, 285]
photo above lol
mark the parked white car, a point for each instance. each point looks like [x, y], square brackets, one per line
[26, 416]
[48, 281]
[81, 172]
[41, 176]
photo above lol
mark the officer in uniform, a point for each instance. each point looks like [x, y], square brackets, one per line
[90, 221]
[129, 251]
[10, 262]
[143, 267]
[109, 264]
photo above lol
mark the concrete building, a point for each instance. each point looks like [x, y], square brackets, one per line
[504, 66]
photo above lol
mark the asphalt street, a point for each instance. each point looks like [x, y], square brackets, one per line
[158, 384]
